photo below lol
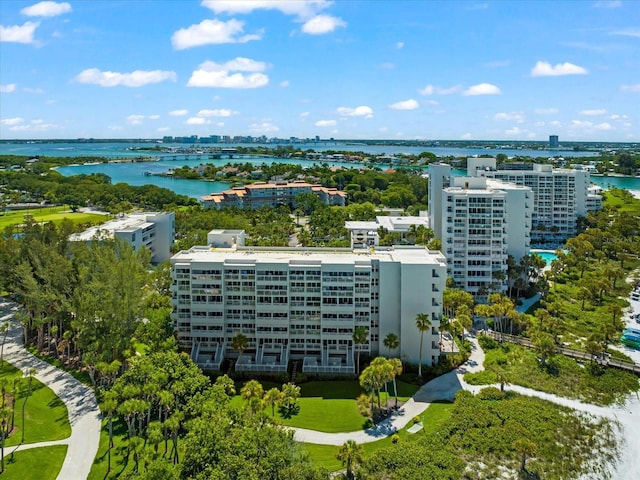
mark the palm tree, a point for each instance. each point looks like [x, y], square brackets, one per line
[396, 363]
[252, 392]
[526, 448]
[391, 341]
[240, 342]
[290, 395]
[109, 405]
[423, 324]
[272, 398]
[29, 374]
[350, 454]
[360, 334]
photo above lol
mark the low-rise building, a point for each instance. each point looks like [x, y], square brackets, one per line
[154, 231]
[261, 194]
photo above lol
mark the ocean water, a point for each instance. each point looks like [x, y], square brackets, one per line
[134, 173]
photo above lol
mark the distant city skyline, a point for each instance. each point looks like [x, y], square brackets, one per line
[464, 70]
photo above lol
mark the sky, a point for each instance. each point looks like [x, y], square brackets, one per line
[345, 69]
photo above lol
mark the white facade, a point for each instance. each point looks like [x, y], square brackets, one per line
[560, 196]
[154, 231]
[364, 234]
[303, 304]
[482, 222]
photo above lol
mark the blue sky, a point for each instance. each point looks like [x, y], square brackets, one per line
[500, 70]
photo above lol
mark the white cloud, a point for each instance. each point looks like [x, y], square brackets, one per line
[510, 116]
[545, 69]
[137, 78]
[12, 121]
[212, 74]
[615, 116]
[220, 112]
[135, 119]
[628, 32]
[581, 123]
[399, 45]
[410, 104]
[163, 129]
[196, 121]
[539, 124]
[603, 126]
[305, 114]
[284, 83]
[630, 88]
[555, 123]
[387, 65]
[263, 127]
[466, 136]
[325, 123]
[593, 112]
[361, 111]
[19, 33]
[298, 8]
[322, 24]
[37, 91]
[607, 4]
[178, 113]
[433, 90]
[35, 125]
[154, 117]
[515, 131]
[482, 89]
[8, 88]
[46, 9]
[546, 111]
[210, 32]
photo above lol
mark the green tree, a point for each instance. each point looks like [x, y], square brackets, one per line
[526, 448]
[360, 336]
[29, 374]
[252, 392]
[351, 455]
[423, 324]
[391, 341]
[272, 398]
[240, 343]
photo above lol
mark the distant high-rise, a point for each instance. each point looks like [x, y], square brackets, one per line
[553, 141]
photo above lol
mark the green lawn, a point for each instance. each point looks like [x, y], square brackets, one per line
[329, 406]
[49, 214]
[46, 416]
[433, 418]
[564, 376]
[42, 463]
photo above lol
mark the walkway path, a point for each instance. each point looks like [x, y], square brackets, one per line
[82, 406]
[445, 388]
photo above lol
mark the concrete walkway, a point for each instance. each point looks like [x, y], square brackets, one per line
[443, 387]
[82, 406]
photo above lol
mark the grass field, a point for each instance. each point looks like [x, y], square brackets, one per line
[42, 463]
[49, 214]
[432, 418]
[329, 406]
[46, 416]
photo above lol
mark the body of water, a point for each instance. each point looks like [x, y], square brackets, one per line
[134, 173]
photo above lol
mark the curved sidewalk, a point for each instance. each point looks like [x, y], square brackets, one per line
[440, 388]
[81, 403]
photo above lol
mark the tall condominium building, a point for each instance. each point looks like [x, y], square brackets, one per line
[481, 222]
[560, 196]
[553, 141]
[261, 194]
[154, 231]
[303, 305]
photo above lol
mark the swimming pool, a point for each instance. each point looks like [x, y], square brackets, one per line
[547, 255]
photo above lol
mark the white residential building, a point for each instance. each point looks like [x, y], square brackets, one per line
[302, 305]
[560, 196]
[364, 234]
[480, 222]
[151, 230]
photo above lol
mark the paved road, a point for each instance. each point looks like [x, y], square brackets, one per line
[84, 414]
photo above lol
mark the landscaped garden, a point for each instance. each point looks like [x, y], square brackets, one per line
[49, 214]
[42, 463]
[564, 376]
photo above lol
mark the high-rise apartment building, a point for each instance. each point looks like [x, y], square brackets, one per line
[303, 305]
[480, 222]
[553, 141]
[561, 195]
